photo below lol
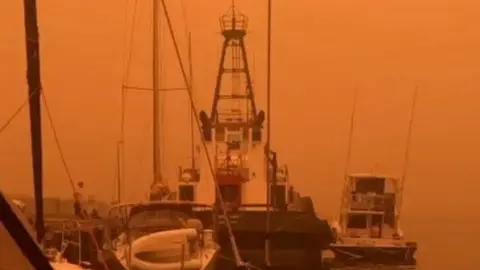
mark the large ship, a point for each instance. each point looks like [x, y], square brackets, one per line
[270, 229]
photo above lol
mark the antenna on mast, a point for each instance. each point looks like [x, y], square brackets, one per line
[351, 131]
[349, 147]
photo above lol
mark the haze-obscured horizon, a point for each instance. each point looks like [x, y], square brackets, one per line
[322, 51]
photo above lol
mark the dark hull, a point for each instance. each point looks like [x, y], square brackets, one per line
[296, 240]
[352, 255]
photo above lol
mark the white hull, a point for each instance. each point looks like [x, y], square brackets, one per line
[169, 250]
[65, 266]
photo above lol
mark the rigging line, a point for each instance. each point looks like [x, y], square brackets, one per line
[184, 15]
[349, 145]
[120, 146]
[204, 145]
[16, 113]
[57, 141]
[130, 42]
[62, 156]
[408, 142]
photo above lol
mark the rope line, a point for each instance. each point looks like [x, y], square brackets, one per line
[119, 172]
[69, 175]
[16, 113]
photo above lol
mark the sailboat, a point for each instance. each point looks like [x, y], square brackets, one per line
[367, 230]
[161, 233]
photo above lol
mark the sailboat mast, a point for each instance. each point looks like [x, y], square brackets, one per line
[192, 124]
[269, 175]
[34, 92]
[157, 170]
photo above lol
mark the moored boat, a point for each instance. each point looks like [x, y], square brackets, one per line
[368, 228]
[160, 235]
[268, 229]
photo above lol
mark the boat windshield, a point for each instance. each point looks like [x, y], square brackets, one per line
[147, 222]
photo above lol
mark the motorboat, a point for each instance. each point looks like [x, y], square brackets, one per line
[368, 228]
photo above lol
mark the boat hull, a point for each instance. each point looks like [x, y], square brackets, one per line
[385, 255]
[296, 239]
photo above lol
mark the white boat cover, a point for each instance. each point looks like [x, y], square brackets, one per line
[169, 246]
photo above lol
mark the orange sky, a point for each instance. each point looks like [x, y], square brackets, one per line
[322, 50]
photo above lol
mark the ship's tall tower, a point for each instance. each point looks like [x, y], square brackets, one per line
[233, 130]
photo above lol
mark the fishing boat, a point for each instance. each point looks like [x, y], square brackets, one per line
[269, 228]
[368, 229]
[159, 235]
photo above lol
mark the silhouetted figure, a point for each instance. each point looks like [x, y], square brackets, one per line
[79, 202]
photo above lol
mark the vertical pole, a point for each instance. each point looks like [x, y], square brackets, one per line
[119, 171]
[407, 150]
[34, 92]
[269, 176]
[156, 108]
[192, 127]
[349, 150]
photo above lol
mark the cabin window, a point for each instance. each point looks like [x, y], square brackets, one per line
[357, 222]
[256, 134]
[220, 134]
[186, 193]
[234, 140]
[370, 185]
[230, 194]
[278, 198]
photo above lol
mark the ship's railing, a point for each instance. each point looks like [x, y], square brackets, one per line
[367, 202]
[64, 233]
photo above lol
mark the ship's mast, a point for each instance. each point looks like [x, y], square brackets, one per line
[234, 26]
[192, 124]
[34, 93]
[203, 121]
[267, 146]
[157, 167]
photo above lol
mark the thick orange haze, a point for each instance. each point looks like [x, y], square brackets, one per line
[322, 50]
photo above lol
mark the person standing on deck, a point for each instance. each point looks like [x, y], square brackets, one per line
[79, 203]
